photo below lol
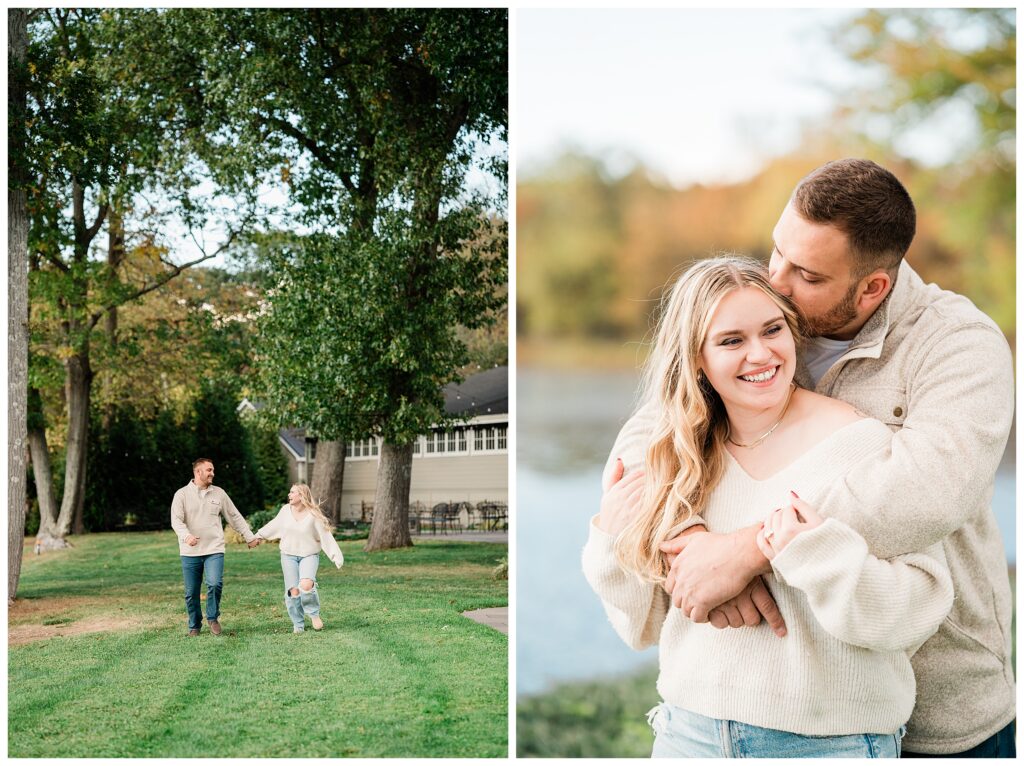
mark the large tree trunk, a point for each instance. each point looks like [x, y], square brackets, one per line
[115, 256]
[78, 387]
[328, 477]
[78, 371]
[48, 537]
[17, 299]
[390, 528]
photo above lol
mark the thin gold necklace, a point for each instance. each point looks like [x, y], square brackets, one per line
[766, 434]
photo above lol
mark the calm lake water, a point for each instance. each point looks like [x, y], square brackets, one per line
[566, 425]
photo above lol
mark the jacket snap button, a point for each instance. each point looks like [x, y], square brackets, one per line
[898, 411]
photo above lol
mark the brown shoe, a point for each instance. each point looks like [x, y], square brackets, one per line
[194, 632]
[215, 628]
[318, 624]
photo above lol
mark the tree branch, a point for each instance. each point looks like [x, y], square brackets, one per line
[458, 118]
[101, 215]
[54, 260]
[169, 275]
[314, 148]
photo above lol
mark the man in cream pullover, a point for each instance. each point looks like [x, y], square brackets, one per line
[938, 372]
[196, 518]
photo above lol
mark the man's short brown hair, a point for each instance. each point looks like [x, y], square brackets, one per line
[867, 203]
[199, 460]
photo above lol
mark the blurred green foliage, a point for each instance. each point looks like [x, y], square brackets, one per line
[936, 67]
[595, 719]
[595, 250]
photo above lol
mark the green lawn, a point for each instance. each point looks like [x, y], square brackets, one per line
[397, 671]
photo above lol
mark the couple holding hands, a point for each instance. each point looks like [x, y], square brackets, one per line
[300, 525]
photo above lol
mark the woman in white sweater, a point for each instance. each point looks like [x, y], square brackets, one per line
[736, 442]
[304, 531]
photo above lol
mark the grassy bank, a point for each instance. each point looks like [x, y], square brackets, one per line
[99, 664]
[592, 719]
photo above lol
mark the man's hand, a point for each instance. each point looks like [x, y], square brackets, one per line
[747, 609]
[621, 499]
[191, 540]
[255, 541]
[710, 569]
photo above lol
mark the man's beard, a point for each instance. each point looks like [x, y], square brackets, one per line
[835, 318]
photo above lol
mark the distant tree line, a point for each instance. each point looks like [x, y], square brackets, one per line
[594, 249]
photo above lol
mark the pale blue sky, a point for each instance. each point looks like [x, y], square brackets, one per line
[697, 95]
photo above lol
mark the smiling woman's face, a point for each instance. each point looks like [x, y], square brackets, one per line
[749, 355]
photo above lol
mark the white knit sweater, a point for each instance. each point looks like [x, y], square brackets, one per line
[852, 620]
[301, 538]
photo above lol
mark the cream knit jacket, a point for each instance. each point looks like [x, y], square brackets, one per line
[852, 619]
[301, 538]
[939, 373]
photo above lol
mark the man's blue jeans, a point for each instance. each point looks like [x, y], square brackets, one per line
[193, 568]
[999, 745]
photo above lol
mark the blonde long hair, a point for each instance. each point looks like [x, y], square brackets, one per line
[313, 506]
[685, 456]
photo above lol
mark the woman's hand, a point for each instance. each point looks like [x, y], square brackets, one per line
[621, 499]
[783, 524]
[255, 541]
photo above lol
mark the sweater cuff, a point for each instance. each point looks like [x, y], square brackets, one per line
[599, 554]
[694, 521]
[817, 550]
[598, 536]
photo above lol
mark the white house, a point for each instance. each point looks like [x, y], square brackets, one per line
[467, 463]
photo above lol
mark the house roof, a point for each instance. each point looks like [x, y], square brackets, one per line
[485, 393]
[294, 439]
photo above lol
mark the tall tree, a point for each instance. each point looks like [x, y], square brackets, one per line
[17, 292]
[329, 477]
[374, 118]
[94, 140]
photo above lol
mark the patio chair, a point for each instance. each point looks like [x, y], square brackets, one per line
[439, 517]
[453, 516]
[488, 514]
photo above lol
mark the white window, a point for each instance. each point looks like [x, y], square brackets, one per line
[454, 441]
[363, 448]
[490, 438]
